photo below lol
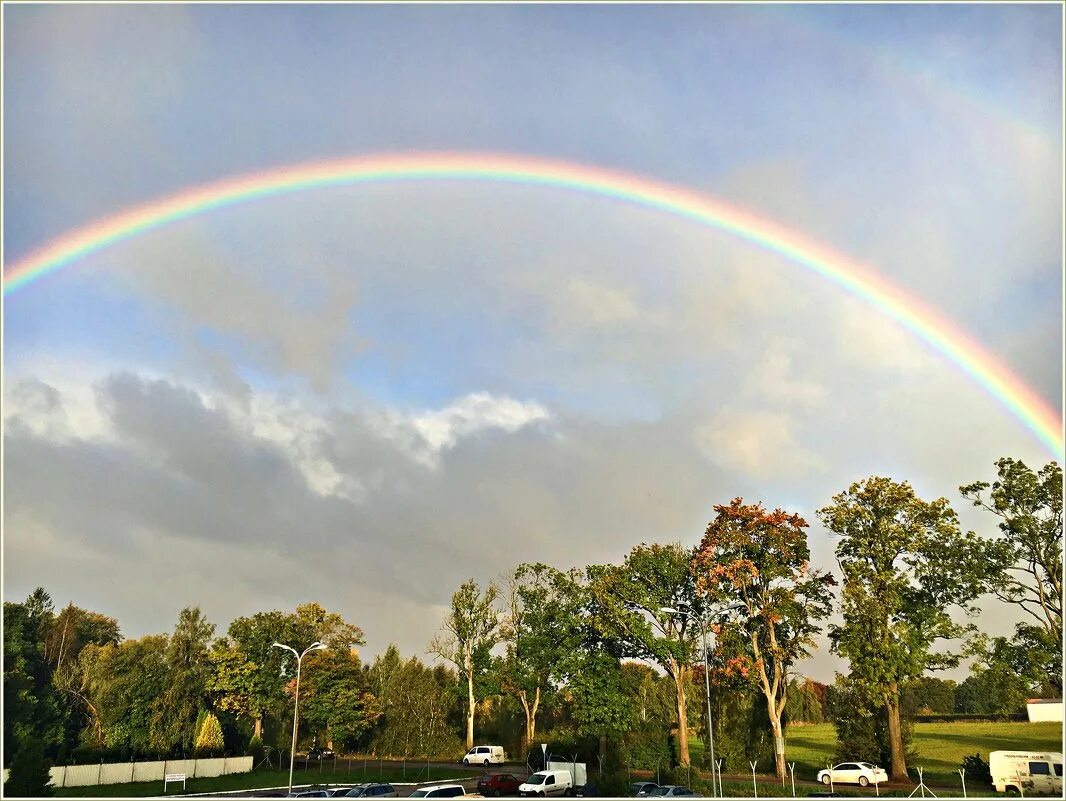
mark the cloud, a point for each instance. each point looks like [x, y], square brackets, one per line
[757, 443]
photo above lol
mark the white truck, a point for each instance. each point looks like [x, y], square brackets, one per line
[1026, 772]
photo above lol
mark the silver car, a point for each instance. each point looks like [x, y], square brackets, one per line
[371, 790]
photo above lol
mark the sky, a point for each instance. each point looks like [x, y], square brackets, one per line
[365, 395]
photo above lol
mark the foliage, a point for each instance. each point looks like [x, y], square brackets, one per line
[991, 691]
[977, 770]
[417, 705]
[29, 771]
[863, 735]
[760, 560]
[626, 615]
[806, 701]
[1029, 506]
[209, 736]
[906, 564]
[928, 695]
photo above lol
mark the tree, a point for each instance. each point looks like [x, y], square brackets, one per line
[906, 564]
[121, 684]
[541, 630]
[186, 689]
[928, 694]
[627, 613]
[806, 701]
[209, 736]
[31, 705]
[469, 629]
[1029, 505]
[416, 703]
[335, 697]
[760, 560]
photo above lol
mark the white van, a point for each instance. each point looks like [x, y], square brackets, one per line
[547, 782]
[1026, 772]
[485, 755]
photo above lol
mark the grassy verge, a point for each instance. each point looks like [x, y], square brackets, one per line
[272, 778]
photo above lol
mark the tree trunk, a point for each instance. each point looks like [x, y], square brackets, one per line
[895, 735]
[779, 746]
[258, 730]
[682, 717]
[531, 716]
[470, 710]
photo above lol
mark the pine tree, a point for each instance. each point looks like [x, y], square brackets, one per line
[209, 738]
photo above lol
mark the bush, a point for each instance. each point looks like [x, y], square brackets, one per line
[977, 770]
[29, 772]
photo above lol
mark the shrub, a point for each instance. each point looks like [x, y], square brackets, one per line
[977, 770]
[209, 737]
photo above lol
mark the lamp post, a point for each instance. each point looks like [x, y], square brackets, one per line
[686, 611]
[315, 646]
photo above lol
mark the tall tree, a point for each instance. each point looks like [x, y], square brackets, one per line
[906, 564]
[760, 560]
[31, 706]
[469, 630]
[186, 690]
[627, 603]
[1029, 506]
[541, 629]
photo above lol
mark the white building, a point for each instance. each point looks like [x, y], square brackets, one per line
[1044, 709]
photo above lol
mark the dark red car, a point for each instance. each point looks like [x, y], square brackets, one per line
[497, 784]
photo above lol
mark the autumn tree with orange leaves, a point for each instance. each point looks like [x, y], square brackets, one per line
[761, 560]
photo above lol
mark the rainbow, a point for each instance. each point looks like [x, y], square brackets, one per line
[922, 320]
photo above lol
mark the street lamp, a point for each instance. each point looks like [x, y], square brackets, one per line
[706, 680]
[315, 646]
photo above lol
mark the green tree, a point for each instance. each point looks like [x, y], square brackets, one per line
[469, 629]
[862, 733]
[185, 692]
[1029, 506]
[929, 694]
[31, 705]
[627, 603]
[209, 736]
[906, 565]
[121, 684]
[761, 561]
[335, 697]
[541, 630]
[416, 704]
[805, 701]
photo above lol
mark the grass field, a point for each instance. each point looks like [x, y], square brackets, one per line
[271, 778]
[938, 747]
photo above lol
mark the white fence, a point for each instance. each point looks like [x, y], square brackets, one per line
[126, 772]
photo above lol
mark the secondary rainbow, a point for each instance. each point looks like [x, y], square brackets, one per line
[915, 315]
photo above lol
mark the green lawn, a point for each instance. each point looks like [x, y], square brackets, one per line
[273, 778]
[939, 747]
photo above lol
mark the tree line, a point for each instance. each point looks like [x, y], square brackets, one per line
[604, 661]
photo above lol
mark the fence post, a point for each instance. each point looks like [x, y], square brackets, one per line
[100, 771]
[224, 764]
[792, 773]
[195, 761]
[962, 775]
[754, 786]
[132, 763]
[720, 788]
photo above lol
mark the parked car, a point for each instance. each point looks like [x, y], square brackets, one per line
[860, 773]
[320, 753]
[670, 791]
[641, 788]
[547, 782]
[1025, 772]
[497, 784]
[311, 794]
[371, 790]
[485, 755]
[439, 791]
[587, 790]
